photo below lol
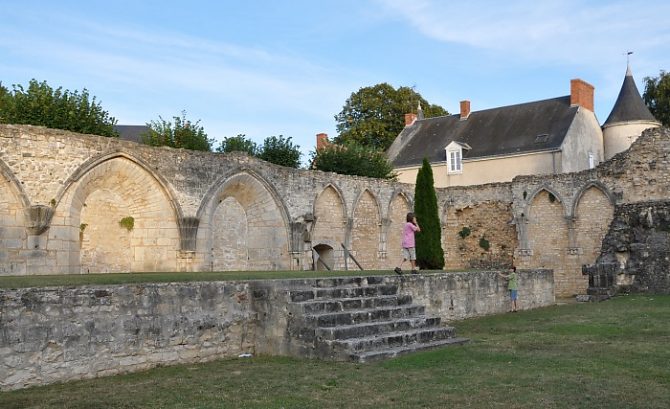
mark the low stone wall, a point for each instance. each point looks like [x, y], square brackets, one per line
[59, 334]
[456, 296]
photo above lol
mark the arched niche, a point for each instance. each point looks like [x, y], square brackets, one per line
[243, 226]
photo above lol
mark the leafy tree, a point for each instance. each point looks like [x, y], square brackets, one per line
[61, 109]
[374, 116]
[353, 159]
[181, 134]
[5, 100]
[280, 151]
[657, 96]
[429, 253]
[238, 143]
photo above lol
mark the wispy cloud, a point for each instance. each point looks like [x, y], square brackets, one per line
[212, 80]
[565, 31]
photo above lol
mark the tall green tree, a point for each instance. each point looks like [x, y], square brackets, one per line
[239, 143]
[657, 96]
[353, 159]
[42, 105]
[429, 253]
[374, 116]
[178, 134]
[280, 151]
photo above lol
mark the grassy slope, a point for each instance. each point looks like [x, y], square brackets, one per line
[608, 355]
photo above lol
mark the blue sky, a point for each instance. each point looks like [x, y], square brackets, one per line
[265, 68]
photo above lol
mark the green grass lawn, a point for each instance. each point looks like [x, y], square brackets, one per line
[614, 354]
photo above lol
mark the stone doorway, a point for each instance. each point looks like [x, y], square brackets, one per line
[326, 256]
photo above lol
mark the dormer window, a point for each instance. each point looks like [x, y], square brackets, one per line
[454, 153]
[542, 138]
[455, 161]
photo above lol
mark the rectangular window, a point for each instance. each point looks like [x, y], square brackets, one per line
[592, 161]
[455, 161]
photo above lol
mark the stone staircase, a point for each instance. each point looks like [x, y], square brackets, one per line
[362, 319]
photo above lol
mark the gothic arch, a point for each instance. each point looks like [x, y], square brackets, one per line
[374, 197]
[243, 215]
[591, 184]
[549, 190]
[548, 235]
[330, 224]
[13, 222]
[14, 184]
[366, 229]
[404, 195]
[89, 213]
[340, 195]
[398, 207]
[593, 214]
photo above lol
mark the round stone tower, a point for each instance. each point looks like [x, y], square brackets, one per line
[629, 117]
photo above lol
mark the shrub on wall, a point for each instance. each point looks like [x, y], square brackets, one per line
[42, 105]
[127, 223]
[429, 253]
[465, 232]
[181, 133]
[485, 244]
[353, 159]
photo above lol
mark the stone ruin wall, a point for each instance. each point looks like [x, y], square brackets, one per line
[635, 255]
[62, 196]
[56, 334]
[562, 220]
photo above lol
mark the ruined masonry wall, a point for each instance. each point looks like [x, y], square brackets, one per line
[58, 334]
[60, 190]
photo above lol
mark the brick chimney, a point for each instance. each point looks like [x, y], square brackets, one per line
[410, 119]
[581, 93]
[321, 141]
[465, 109]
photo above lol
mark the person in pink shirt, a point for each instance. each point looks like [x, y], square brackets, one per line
[408, 243]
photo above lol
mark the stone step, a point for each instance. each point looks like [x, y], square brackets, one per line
[391, 352]
[375, 328]
[395, 339]
[360, 316]
[343, 292]
[344, 304]
[348, 281]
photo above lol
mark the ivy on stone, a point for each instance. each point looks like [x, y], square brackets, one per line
[127, 223]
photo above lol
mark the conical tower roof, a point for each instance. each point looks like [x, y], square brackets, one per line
[629, 105]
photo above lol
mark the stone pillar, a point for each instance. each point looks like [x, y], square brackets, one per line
[521, 223]
[188, 231]
[383, 243]
[573, 249]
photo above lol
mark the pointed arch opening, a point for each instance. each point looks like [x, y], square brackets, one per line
[366, 230]
[13, 203]
[397, 215]
[593, 215]
[244, 226]
[116, 217]
[330, 225]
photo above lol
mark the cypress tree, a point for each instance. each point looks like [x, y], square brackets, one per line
[429, 253]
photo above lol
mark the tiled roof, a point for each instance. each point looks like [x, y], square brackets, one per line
[629, 105]
[131, 132]
[528, 127]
